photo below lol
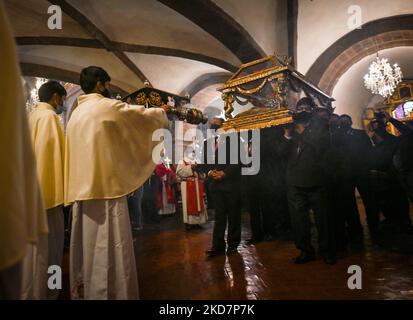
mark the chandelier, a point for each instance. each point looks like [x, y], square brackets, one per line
[382, 78]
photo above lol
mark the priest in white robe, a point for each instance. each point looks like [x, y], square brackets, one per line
[192, 191]
[48, 145]
[108, 155]
[22, 217]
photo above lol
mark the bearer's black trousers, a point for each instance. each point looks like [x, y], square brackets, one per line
[227, 212]
[301, 200]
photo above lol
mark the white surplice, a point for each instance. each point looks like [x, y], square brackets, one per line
[40, 256]
[184, 171]
[35, 265]
[102, 259]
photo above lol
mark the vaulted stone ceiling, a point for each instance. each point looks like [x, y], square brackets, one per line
[168, 43]
[186, 46]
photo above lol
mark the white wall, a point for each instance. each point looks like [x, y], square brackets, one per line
[322, 22]
[352, 97]
[264, 20]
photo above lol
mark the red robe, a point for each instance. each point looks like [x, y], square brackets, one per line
[161, 170]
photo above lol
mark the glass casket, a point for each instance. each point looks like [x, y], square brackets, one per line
[273, 88]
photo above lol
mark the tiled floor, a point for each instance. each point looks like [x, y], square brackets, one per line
[172, 265]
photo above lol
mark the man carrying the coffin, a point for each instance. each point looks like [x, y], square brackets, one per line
[48, 145]
[108, 155]
[306, 186]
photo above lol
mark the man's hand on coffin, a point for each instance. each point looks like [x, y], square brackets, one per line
[219, 175]
[288, 132]
[214, 174]
[299, 128]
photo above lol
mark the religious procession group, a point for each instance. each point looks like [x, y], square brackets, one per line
[86, 166]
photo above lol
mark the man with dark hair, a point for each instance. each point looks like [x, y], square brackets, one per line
[95, 79]
[109, 155]
[403, 159]
[387, 189]
[52, 92]
[225, 190]
[49, 147]
[307, 186]
[359, 147]
[266, 191]
[334, 118]
[345, 217]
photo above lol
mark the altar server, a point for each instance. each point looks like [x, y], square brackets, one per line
[108, 155]
[22, 217]
[48, 145]
[165, 192]
[192, 190]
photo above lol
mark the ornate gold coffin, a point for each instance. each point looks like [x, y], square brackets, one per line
[273, 88]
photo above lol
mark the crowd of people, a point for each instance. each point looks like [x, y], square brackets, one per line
[99, 165]
[315, 165]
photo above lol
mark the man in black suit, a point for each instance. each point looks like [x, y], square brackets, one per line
[224, 187]
[266, 191]
[307, 186]
[403, 159]
[341, 183]
[359, 149]
[387, 189]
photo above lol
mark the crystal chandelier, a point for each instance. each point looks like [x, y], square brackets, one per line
[382, 78]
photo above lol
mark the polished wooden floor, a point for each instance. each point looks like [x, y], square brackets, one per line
[172, 265]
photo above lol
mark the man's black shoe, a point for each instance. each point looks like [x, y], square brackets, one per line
[231, 250]
[304, 258]
[214, 252]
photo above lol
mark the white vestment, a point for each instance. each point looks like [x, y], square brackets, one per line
[47, 252]
[23, 222]
[35, 265]
[184, 171]
[102, 259]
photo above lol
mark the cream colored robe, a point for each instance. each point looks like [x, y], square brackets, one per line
[48, 143]
[22, 216]
[184, 170]
[109, 148]
[108, 155]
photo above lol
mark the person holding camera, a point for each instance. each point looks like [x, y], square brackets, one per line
[306, 183]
